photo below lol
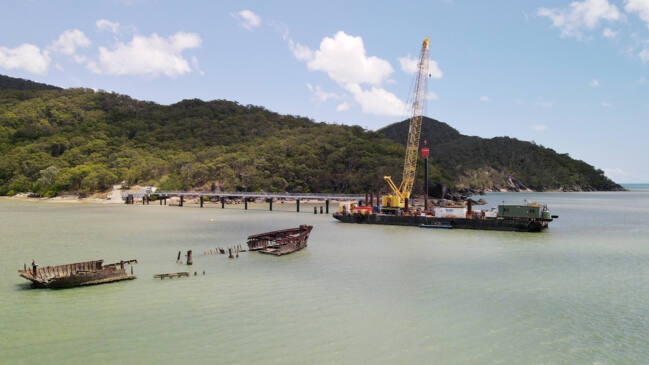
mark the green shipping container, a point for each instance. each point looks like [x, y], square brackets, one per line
[519, 211]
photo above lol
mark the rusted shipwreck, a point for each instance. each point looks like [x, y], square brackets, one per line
[77, 274]
[280, 242]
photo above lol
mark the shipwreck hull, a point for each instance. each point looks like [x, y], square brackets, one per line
[76, 274]
[492, 224]
[280, 242]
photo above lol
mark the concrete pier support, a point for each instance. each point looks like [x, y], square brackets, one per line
[297, 202]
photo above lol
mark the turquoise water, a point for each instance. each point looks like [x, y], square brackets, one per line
[575, 294]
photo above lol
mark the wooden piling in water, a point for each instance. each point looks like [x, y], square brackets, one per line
[190, 261]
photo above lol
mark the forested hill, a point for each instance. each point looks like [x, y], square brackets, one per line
[12, 83]
[501, 162]
[56, 140]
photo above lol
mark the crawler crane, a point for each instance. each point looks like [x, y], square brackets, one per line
[400, 195]
[530, 217]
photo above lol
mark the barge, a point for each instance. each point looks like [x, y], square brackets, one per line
[77, 274]
[530, 217]
[280, 242]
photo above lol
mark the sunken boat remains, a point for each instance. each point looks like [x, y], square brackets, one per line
[77, 274]
[280, 242]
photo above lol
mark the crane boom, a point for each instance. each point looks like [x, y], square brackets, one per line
[402, 193]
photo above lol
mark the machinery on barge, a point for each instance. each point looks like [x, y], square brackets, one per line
[530, 217]
[394, 209]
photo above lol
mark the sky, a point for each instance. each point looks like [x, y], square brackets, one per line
[570, 76]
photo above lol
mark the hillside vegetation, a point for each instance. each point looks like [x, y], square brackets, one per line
[498, 163]
[56, 140]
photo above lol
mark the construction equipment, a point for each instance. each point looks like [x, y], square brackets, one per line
[400, 195]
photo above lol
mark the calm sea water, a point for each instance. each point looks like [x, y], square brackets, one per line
[575, 294]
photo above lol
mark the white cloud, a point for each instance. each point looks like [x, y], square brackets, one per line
[638, 6]
[484, 98]
[69, 41]
[609, 33]
[581, 15]
[25, 57]
[605, 104]
[196, 66]
[151, 55]
[321, 95]
[408, 64]
[343, 58]
[431, 96]
[248, 19]
[344, 106]
[411, 66]
[434, 71]
[615, 173]
[104, 24]
[544, 104]
[540, 127]
[377, 101]
[302, 53]
[593, 83]
[644, 55]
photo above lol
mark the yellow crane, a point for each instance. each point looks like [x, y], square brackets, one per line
[401, 194]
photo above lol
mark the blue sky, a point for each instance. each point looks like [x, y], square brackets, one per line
[571, 76]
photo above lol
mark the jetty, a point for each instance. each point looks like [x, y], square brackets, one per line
[221, 198]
